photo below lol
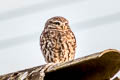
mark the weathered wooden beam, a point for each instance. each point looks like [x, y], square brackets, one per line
[99, 66]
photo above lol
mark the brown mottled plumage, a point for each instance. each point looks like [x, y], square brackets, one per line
[57, 41]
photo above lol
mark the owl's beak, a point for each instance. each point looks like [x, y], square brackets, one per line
[64, 27]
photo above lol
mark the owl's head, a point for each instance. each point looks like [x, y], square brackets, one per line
[57, 22]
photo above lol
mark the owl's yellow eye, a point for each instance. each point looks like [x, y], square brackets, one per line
[57, 23]
[66, 23]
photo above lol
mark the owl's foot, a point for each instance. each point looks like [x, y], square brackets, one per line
[47, 67]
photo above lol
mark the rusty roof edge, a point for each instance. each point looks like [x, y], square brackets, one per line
[110, 55]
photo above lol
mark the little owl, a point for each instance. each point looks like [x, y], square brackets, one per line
[57, 41]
